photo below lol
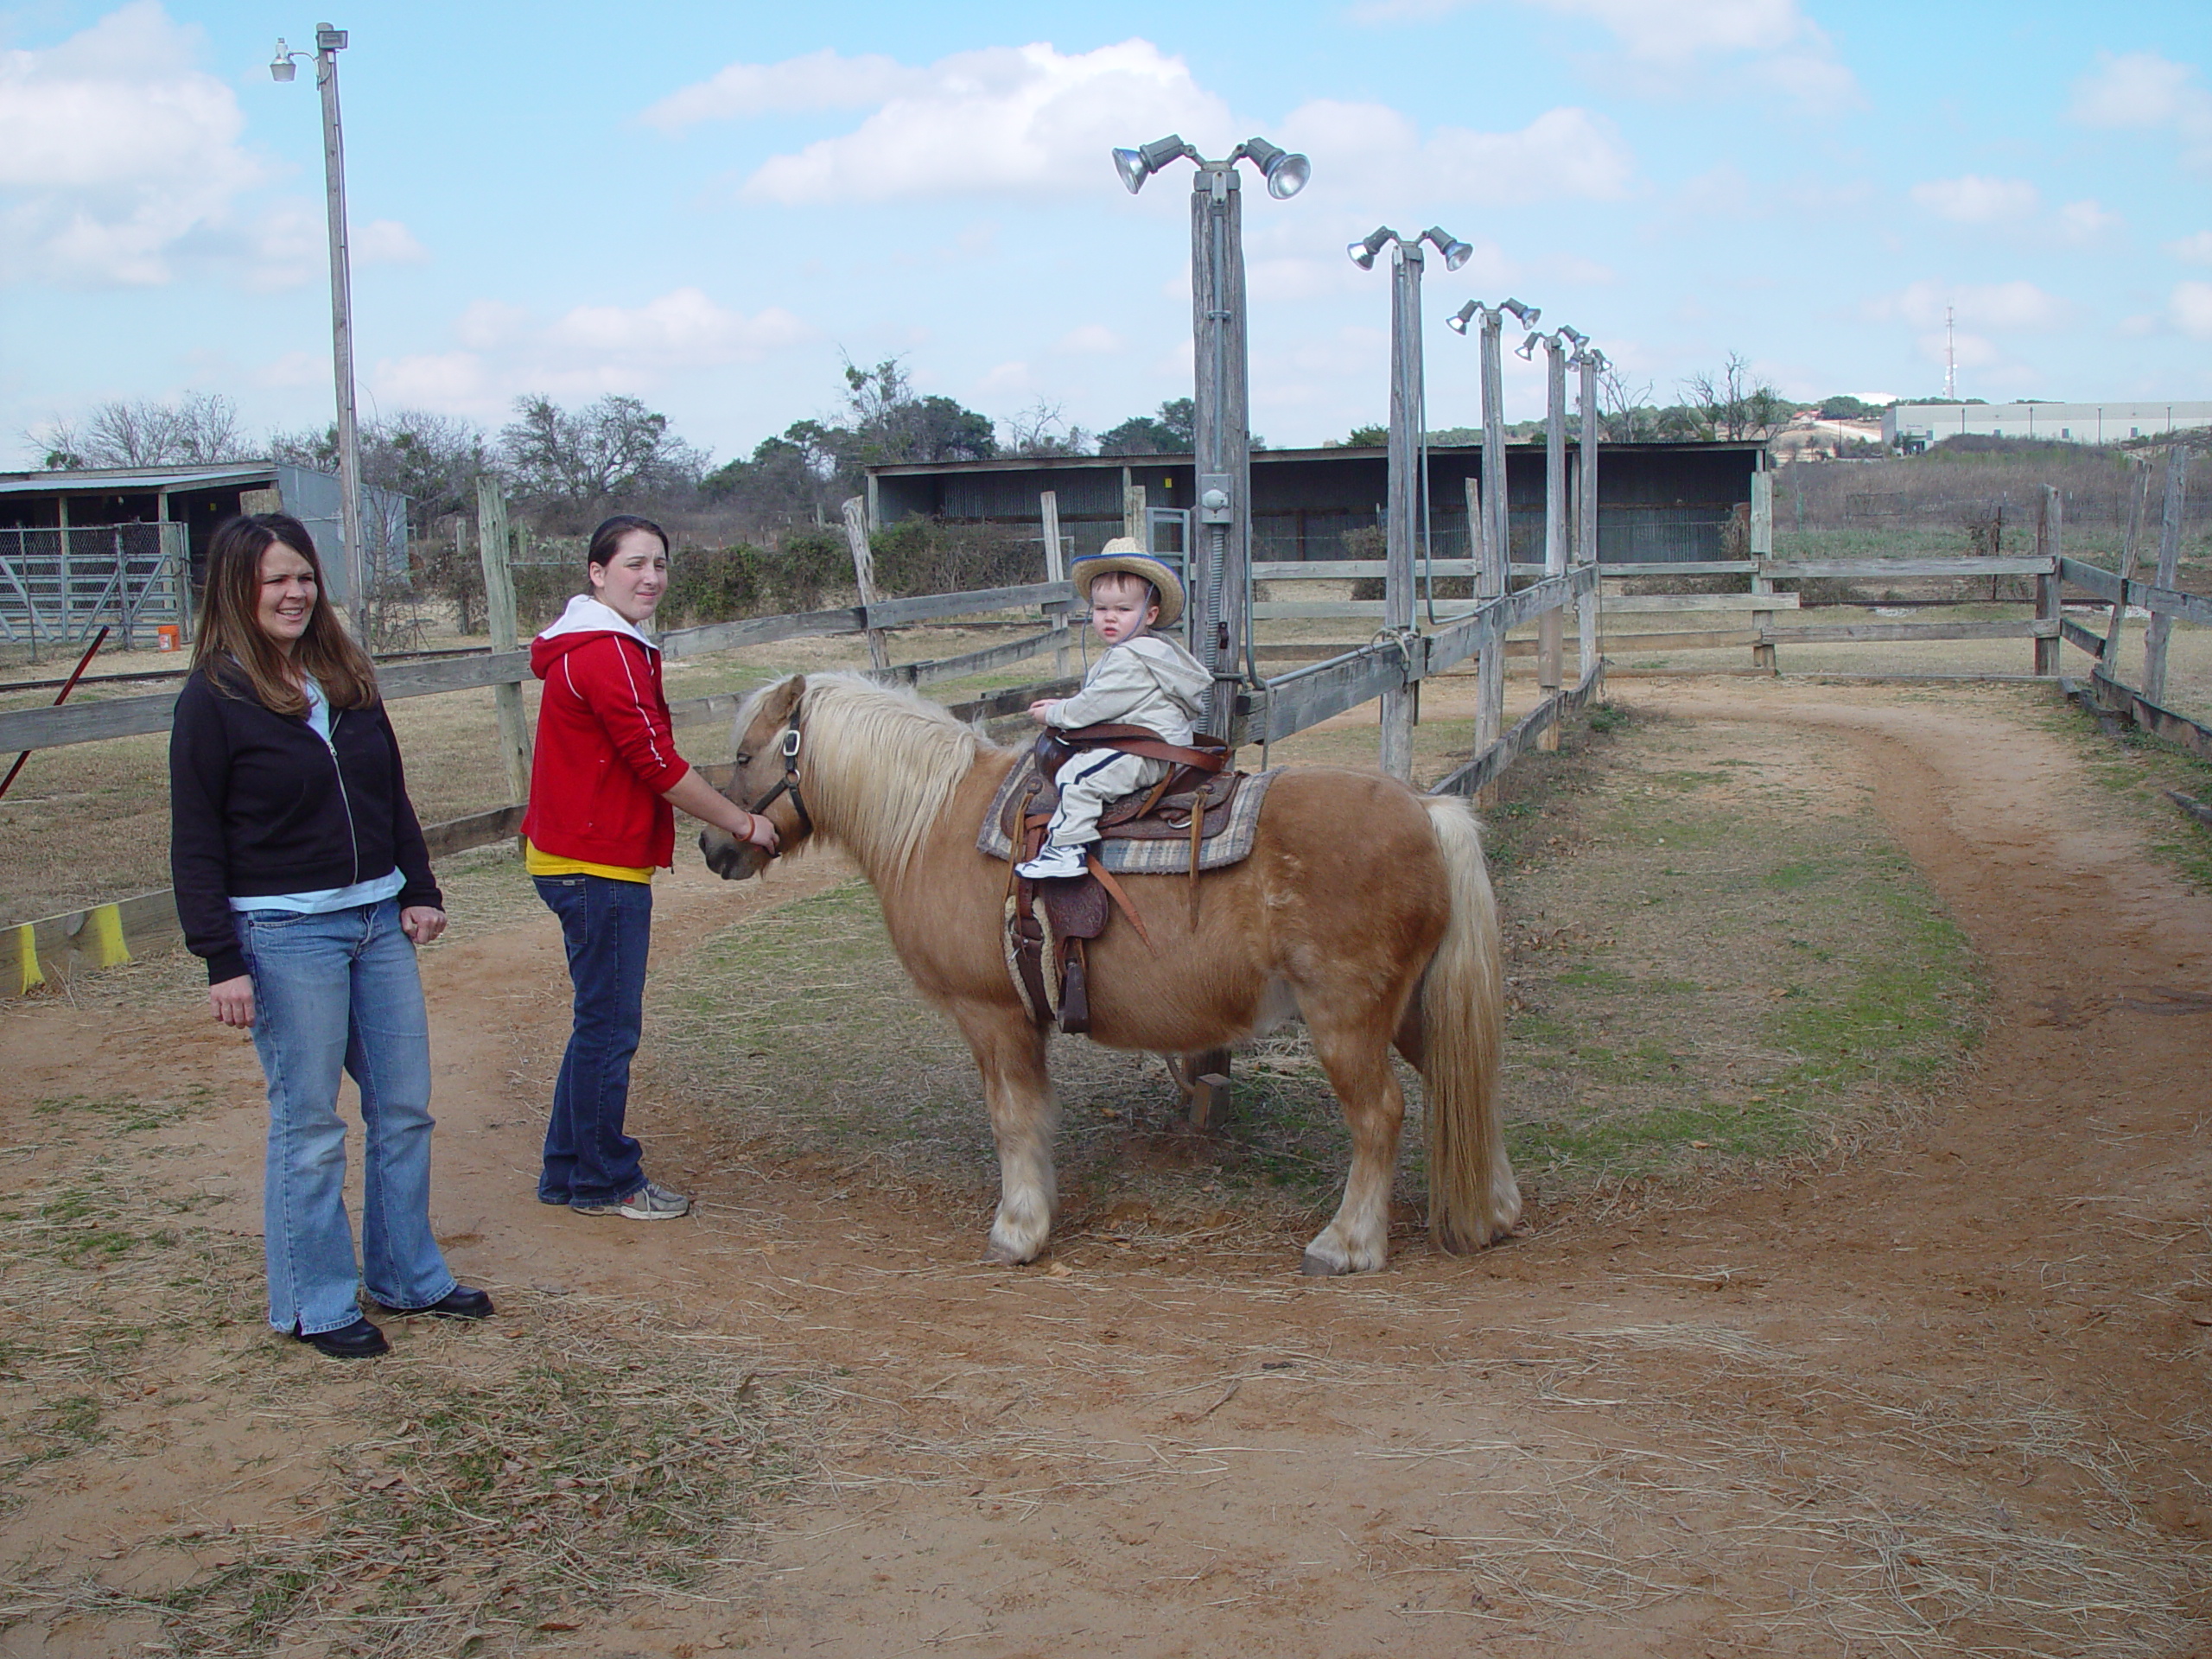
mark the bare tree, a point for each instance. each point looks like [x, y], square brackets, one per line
[1732, 404]
[612, 448]
[1038, 430]
[1624, 411]
[199, 428]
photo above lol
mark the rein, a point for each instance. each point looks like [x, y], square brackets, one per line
[790, 782]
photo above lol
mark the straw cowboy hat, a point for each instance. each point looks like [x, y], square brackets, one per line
[1123, 554]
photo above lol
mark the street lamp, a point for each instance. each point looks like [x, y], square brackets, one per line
[1591, 363]
[328, 43]
[1408, 464]
[1220, 578]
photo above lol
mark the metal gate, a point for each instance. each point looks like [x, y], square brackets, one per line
[59, 585]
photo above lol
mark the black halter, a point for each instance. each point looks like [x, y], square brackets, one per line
[789, 786]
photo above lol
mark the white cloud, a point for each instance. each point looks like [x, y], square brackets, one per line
[387, 242]
[1977, 201]
[2194, 249]
[821, 80]
[1091, 339]
[2147, 91]
[113, 148]
[1782, 47]
[2011, 306]
[1026, 119]
[2087, 221]
[1370, 150]
[505, 350]
[2191, 309]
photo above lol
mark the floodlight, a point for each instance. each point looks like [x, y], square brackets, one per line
[1135, 166]
[1573, 336]
[1525, 351]
[1528, 314]
[1457, 322]
[1456, 253]
[281, 67]
[1285, 170]
[1362, 252]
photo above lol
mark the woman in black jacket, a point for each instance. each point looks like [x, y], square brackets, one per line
[302, 880]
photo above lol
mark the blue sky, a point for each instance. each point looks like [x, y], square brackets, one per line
[707, 207]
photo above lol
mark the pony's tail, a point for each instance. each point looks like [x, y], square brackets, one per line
[1473, 1199]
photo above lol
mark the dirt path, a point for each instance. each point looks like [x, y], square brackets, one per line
[1947, 1397]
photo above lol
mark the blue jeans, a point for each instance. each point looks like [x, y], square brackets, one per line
[608, 926]
[333, 992]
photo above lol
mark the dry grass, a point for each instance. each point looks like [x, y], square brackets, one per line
[486, 1482]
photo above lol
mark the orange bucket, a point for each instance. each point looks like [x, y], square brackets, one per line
[168, 637]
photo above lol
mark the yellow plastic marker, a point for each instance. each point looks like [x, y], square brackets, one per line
[30, 973]
[105, 946]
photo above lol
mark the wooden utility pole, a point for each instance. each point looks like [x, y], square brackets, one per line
[1055, 570]
[500, 618]
[879, 649]
[1401, 523]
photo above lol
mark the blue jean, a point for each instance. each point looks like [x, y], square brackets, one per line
[331, 992]
[608, 926]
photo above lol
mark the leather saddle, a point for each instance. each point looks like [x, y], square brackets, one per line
[1057, 918]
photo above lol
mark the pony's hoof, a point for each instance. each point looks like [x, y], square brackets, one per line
[1318, 1266]
[1005, 1256]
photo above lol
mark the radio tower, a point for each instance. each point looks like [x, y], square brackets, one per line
[1950, 361]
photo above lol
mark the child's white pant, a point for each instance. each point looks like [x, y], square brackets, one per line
[1088, 783]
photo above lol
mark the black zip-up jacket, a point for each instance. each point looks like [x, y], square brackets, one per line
[259, 804]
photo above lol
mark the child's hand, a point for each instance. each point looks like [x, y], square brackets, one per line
[1041, 710]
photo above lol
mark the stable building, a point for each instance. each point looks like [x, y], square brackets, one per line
[128, 545]
[1657, 503]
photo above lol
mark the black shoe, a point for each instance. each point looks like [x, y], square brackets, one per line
[461, 1302]
[359, 1341]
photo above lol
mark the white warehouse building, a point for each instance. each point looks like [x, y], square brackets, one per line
[1913, 426]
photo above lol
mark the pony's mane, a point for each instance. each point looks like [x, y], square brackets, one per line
[881, 763]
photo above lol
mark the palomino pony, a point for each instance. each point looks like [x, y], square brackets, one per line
[1364, 910]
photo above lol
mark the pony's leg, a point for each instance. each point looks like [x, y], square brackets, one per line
[1010, 1053]
[1357, 1059]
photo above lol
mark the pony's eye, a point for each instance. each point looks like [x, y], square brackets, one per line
[744, 760]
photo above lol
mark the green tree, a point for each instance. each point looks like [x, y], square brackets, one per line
[1173, 431]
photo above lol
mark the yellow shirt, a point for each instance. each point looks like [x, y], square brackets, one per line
[538, 864]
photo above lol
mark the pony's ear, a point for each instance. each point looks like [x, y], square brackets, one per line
[784, 697]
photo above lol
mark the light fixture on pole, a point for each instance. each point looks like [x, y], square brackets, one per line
[1219, 575]
[1406, 520]
[353, 563]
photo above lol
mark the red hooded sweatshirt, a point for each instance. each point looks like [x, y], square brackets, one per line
[606, 753]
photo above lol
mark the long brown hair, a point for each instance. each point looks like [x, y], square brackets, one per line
[232, 642]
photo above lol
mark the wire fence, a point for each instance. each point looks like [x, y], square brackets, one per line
[57, 586]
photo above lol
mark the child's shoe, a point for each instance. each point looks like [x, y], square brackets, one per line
[1054, 863]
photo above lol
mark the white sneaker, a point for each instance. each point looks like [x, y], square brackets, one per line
[1054, 863]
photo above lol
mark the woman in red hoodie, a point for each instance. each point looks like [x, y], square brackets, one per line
[603, 784]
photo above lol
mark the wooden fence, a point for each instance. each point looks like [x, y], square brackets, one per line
[1456, 631]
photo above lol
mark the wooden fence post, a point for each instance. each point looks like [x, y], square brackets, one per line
[1055, 570]
[500, 618]
[2108, 658]
[1761, 547]
[879, 651]
[1134, 524]
[2050, 544]
[1490, 660]
[2160, 626]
